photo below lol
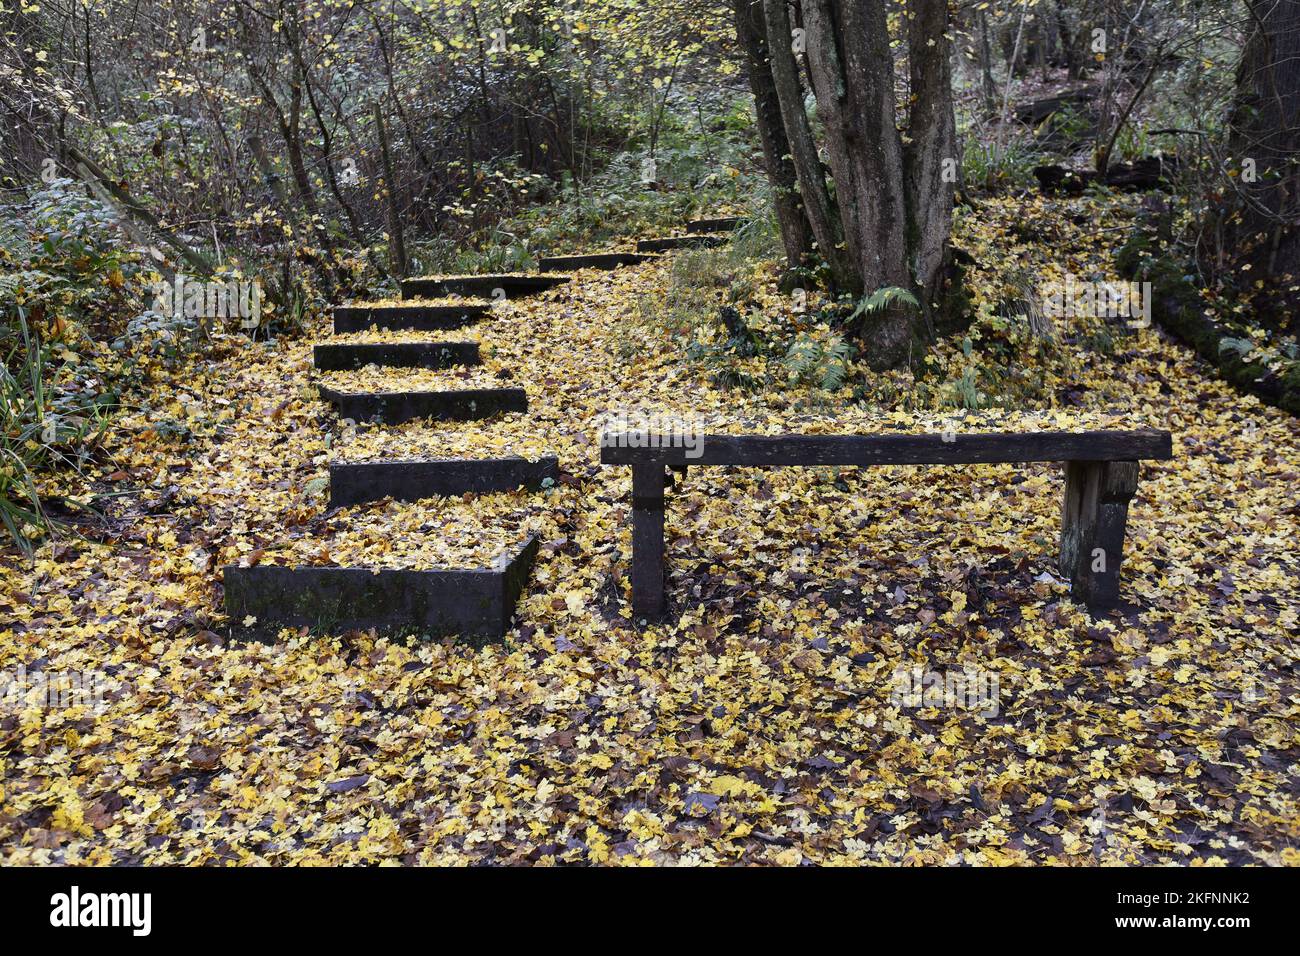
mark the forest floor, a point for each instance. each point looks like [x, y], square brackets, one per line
[756, 724]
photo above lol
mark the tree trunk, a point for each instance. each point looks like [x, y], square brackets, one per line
[893, 208]
[822, 214]
[396, 241]
[987, 86]
[1069, 44]
[853, 78]
[931, 153]
[1265, 144]
[795, 231]
[31, 136]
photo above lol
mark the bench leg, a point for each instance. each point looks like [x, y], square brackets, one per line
[1093, 519]
[647, 540]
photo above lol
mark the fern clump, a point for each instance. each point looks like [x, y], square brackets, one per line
[821, 364]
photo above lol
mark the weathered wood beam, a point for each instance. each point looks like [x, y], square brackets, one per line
[1094, 516]
[647, 541]
[666, 243]
[421, 318]
[334, 357]
[394, 408]
[724, 224]
[636, 448]
[356, 482]
[598, 260]
[485, 286]
[475, 602]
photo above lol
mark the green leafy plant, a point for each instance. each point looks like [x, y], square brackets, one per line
[882, 299]
[988, 167]
[1239, 347]
[822, 364]
[41, 427]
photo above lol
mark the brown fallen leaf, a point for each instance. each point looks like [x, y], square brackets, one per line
[348, 783]
[203, 758]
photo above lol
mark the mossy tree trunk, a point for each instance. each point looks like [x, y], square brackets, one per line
[823, 217]
[889, 219]
[796, 233]
[1263, 231]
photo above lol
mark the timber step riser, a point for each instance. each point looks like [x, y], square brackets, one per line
[353, 483]
[341, 358]
[396, 408]
[609, 260]
[399, 318]
[487, 287]
[679, 242]
[475, 603]
[698, 226]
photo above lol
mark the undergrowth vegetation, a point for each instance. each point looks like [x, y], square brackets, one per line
[628, 139]
[154, 457]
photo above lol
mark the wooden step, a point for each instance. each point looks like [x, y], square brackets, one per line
[599, 260]
[725, 224]
[485, 286]
[394, 408]
[475, 602]
[336, 357]
[679, 242]
[419, 318]
[353, 483]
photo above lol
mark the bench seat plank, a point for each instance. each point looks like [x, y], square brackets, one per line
[951, 449]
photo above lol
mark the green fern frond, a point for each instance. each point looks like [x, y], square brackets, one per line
[1242, 347]
[882, 299]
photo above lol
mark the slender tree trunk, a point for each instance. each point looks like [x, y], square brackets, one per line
[822, 215]
[853, 77]
[1108, 136]
[290, 128]
[327, 150]
[1011, 79]
[988, 87]
[274, 183]
[411, 138]
[34, 138]
[931, 153]
[795, 231]
[396, 242]
[1264, 142]
[1069, 47]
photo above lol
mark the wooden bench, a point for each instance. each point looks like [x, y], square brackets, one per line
[1101, 472]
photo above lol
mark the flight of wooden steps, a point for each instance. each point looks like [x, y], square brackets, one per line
[474, 602]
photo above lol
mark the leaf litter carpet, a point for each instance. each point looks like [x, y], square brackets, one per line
[757, 725]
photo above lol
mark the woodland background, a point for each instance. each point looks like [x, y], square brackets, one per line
[324, 148]
[246, 139]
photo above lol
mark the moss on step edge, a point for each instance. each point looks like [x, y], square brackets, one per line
[1176, 304]
[473, 603]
